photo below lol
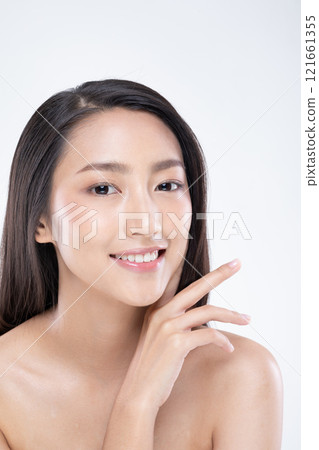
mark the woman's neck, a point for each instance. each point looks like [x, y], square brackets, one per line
[94, 334]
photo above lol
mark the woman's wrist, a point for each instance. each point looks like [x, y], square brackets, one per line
[136, 403]
[131, 424]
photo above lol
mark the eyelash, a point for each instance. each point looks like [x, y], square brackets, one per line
[179, 186]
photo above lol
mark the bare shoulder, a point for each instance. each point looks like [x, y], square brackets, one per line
[12, 343]
[245, 391]
[15, 350]
[15, 346]
[247, 355]
[9, 349]
[9, 343]
[251, 366]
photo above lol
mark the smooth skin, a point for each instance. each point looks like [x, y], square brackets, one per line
[128, 365]
[169, 333]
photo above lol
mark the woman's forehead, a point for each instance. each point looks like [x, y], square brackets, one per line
[130, 137]
[119, 124]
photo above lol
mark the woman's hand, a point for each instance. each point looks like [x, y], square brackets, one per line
[166, 339]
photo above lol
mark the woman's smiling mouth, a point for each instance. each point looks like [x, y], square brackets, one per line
[140, 262]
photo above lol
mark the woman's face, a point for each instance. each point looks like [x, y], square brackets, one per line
[138, 140]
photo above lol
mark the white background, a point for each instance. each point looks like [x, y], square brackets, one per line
[232, 71]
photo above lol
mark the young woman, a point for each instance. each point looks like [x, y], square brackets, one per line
[103, 316]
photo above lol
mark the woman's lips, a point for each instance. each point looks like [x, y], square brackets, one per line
[139, 251]
[143, 266]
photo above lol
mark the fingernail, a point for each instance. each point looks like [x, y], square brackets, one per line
[246, 316]
[233, 263]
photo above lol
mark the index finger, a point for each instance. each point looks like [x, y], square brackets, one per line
[195, 291]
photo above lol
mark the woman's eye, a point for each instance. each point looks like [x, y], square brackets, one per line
[103, 188]
[168, 184]
[106, 189]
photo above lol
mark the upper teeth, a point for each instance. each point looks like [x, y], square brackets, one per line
[139, 258]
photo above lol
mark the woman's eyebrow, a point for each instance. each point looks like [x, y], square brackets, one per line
[115, 166]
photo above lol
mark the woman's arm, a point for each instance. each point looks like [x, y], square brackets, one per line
[251, 405]
[131, 425]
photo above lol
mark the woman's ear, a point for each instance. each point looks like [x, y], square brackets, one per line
[43, 233]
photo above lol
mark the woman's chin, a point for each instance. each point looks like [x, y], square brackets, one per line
[142, 299]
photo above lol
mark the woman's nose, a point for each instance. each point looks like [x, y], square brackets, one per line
[141, 215]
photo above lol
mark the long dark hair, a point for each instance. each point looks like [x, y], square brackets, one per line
[29, 270]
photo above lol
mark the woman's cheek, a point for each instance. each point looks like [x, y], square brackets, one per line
[177, 219]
